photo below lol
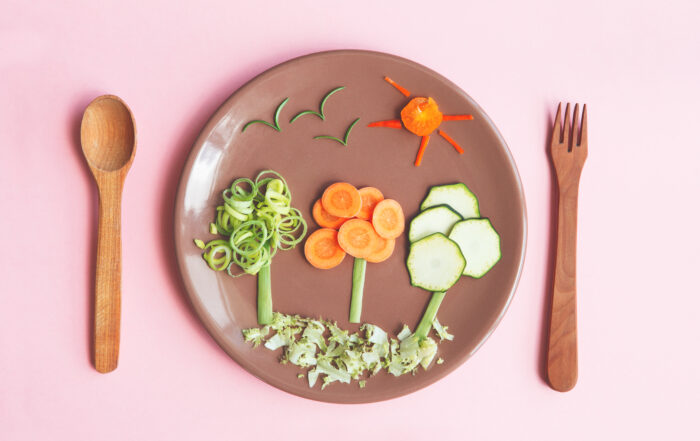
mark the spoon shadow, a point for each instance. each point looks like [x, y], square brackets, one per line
[74, 123]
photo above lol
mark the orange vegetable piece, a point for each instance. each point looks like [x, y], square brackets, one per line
[357, 238]
[370, 198]
[322, 250]
[421, 116]
[421, 150]
[388, 219]
[382, 251]
[449, 139]
[342, 200]
[325, 219]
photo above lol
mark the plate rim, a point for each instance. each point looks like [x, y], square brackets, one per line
[196, 147]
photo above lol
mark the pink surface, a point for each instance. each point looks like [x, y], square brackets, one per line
[634, 62]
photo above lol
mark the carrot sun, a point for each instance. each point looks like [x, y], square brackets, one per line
[421, 116]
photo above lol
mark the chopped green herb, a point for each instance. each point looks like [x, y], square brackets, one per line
[199, 243]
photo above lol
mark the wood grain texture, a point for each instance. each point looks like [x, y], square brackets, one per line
[569, 152]
[108, 138]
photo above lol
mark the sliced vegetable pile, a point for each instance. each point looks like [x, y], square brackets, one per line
[333, 354]
[449, 240]
[255, 221]
[367, 227]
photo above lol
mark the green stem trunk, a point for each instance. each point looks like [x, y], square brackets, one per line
[358, 287]
[429, 315]
[264, 296]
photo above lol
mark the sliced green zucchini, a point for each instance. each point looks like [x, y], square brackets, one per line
[438, 219]
[457, 196]
[480, 245]
[435, 263]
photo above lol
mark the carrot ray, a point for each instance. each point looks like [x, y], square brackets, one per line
[457, 117]
[421, 150]
[405, 92]
[451, 141]
[392, 123]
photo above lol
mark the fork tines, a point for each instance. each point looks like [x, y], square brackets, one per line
[571, 136]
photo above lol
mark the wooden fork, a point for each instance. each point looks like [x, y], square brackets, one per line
[569, 151]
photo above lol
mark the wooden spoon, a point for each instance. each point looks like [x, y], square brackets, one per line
[108, 138]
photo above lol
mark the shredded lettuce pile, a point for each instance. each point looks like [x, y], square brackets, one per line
[332, 354]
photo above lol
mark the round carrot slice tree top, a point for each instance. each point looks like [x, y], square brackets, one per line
[322, 250]
[421, 116]
[341, 199]
[357, 238]
[370, 198]
[388, 219]
[325, 219]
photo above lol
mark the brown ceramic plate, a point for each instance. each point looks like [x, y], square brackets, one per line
[379, 157]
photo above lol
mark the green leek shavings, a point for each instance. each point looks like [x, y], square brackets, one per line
[276, 125]
[333, 354]
[199, 243]
[440, 361]
[362, 383]
[300, 375]
[442, 331]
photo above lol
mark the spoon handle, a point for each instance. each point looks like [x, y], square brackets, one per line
[108, 273]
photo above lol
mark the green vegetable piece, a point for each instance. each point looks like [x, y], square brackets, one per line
[213, 229]
[320, 113]
[362, 384]
[276, 125]
[199, 243]
[358, 284]
[440, 361]
[343, 141]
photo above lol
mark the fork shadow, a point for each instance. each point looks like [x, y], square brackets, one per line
[551, 255]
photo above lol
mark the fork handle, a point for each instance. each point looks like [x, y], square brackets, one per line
[562, 354]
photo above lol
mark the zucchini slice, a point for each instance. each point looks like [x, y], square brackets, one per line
[439, 219]
[435, 263]
[457, 196]
[480, 245]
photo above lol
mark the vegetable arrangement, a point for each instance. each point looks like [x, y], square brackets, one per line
[367, 227]
[255, 220]
[333, 354]
[421, 116]
[448, 240]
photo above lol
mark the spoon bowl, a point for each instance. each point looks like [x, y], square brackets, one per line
[108, 139]
[107, 134]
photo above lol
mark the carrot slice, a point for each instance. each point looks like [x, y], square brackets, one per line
[405, 92]
[451, 141]
[322, 250]
[325, 219]
[392, 124]
[382, 251]
[370, 198]
[421, 150]
[388, 219]
[357, 238]
[342, 200]
[457, 117]
[421, 116]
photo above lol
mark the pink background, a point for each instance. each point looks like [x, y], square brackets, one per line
[634, 62]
